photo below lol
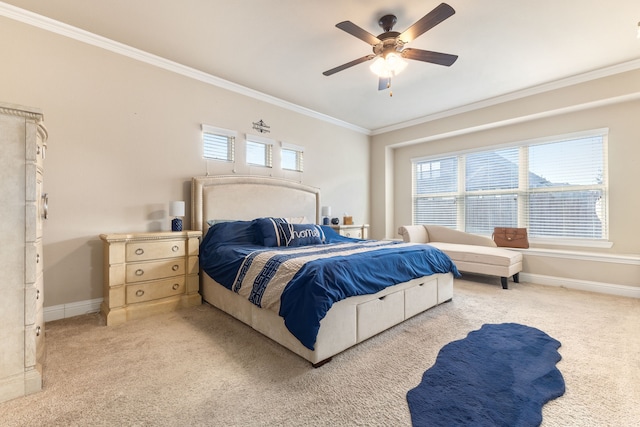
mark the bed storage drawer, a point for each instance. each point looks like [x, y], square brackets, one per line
[420, 297]
[379, 314]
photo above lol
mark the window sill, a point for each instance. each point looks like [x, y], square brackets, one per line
[579, 243]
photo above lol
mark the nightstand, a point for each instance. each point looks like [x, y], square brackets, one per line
[356, 231]
[149, 273]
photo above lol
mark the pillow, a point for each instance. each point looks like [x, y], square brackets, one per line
[278, 232]
[241, 232]
[297, 220]
[212, 222]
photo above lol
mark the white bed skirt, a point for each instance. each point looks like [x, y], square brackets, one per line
[347, 323]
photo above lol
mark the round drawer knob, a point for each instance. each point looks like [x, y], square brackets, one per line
[175, 248]
[176, 267]
[139, 272]
[139, 292]
[139, 251]
[176, 286]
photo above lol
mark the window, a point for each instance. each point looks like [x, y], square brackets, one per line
[556, 188]
[259, 151]
[218, 144]
[292, 157]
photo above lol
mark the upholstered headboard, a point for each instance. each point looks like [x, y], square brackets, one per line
[249, 197]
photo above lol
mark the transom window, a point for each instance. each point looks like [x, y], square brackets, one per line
[555, 188]
[259, 151]
[292, 157]
[218, 143]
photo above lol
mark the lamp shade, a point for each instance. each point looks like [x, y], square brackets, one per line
[176, 209]
[326, 211]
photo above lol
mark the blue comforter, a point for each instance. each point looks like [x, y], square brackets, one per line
[316, 276]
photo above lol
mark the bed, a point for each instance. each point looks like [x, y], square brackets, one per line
[230, 200]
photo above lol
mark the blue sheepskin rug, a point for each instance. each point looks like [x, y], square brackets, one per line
[499, 375]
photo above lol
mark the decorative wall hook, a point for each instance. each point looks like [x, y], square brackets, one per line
[261, 127]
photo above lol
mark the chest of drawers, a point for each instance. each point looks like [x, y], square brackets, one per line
[149, 273]
[354, 231]
[23, 209]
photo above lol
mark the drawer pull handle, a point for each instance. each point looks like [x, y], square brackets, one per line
[176, 286]
[176, 267]
[175, 248]
[38, 329]
[37, 294]
[139, 251]
[139, 292]
[139, 272]
[38, 150]
[37, 258]
[45, 206]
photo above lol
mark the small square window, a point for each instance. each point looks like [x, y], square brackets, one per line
[292, 159]
[218, 144]
[259, 151]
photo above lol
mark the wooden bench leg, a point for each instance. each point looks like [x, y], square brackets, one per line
[503, 280]
[516, 278]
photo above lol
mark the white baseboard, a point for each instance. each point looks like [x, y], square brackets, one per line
[582, 285]
[72, 309]
[79, 308]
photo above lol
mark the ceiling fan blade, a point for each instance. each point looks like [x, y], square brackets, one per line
[429, 56]
[358, 32]
[384, 83]
[349, 64]
[427, 22]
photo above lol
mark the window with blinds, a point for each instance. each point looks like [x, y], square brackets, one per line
[218, 144]
[259, 151]
[292, 157]
[557, 189]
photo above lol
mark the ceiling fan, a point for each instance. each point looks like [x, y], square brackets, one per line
[389, 48]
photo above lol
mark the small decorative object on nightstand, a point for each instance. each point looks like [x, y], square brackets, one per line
[176, 209]
[149, 273]
[355, 231]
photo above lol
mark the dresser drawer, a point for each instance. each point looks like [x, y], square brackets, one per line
[142, 251]
[143, 271]
[34, 340]
[354, 233]
[155, 290]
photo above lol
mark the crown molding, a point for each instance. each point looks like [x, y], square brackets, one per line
[60, 28]
[535, 90]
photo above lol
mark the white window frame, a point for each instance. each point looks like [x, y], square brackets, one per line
[299, 156]
[266, 143]
[230, 136]
[522, 191]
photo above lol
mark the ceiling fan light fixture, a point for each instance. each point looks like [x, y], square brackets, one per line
[388, 66]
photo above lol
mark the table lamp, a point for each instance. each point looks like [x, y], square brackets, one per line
[176, 210]
[326, 215]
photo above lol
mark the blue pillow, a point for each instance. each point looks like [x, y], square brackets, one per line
[239, 232]
[278, 232]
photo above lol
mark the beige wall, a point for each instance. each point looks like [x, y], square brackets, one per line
[611, 102]
[124, 140]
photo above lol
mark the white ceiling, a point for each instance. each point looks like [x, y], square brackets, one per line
[281, 47]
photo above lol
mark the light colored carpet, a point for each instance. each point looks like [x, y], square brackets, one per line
[200, 367]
